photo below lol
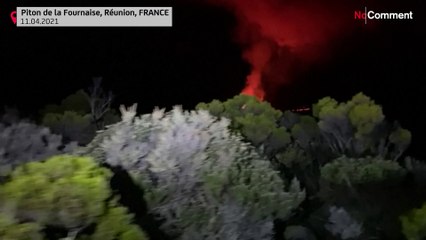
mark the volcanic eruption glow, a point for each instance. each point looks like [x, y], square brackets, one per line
[254, 85]
[276, 35]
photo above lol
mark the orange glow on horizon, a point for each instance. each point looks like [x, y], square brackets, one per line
[302, 109]
[254, 86]
[280, 38]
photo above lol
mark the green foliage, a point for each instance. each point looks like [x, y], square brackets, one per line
[65, 192]
[358, 128]
[307, 147]
[279, 138]
[10, 229]
[256, 128]
[311, 148]
[23, 142]
[259, 187]
[365, 117]
[323, 104]
[290, 141]
[362, 170]
[216, 107]
[256, 120]
[282, 137]
[401, 139]
[294, 157]
[414, 224]
[77, 102]
[197, 175]
[74, 119]
[306, 132]
[305, 152]
[71, 125]
[305, 144]
[115, 224]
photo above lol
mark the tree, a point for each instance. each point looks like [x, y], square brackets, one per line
[23, 142]
[368, 188]
[76, 102]
[202, 180]
[414, 224]
[11, 229]
[360, 171]
[99, 101]
[342, 224]
[71, 125]
[305, 151]
[81, 114]
[256, 120]
[116, 223]
[290, 141]
[358, 128]
[66, 192]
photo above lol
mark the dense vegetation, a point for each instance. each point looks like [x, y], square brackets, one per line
[237, 169]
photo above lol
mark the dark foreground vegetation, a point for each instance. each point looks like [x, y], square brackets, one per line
[237, 170]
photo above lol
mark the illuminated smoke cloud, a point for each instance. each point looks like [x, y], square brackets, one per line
[280, 36]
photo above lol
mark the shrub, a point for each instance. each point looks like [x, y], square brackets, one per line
[11, 229]
[80, 114]
[342, 224]
[357, 128]
[66, 192]
[23, 142]
[71, 125]
[358, 171]
[414, 224]
[203, 181]
[257, 121]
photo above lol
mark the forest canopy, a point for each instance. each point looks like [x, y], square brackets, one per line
[235, 169]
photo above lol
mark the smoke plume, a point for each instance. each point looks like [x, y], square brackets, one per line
[279, 37]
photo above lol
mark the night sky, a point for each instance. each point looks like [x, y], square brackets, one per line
[198, 59]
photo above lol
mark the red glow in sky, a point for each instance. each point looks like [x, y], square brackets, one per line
[253, 85]
[273, 31]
